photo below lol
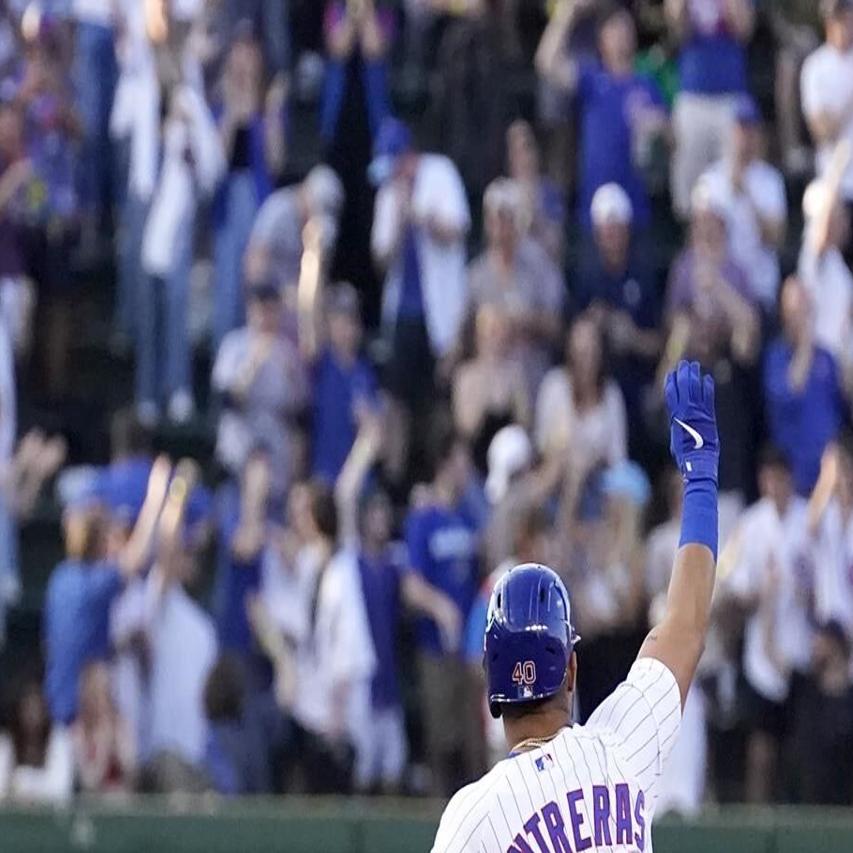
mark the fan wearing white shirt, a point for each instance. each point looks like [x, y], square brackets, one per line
[180, 643]
[324, 681]
[418, 238]
[755, 203]
[826, 84]
[831, 529]
[770, 579]
[822, 267]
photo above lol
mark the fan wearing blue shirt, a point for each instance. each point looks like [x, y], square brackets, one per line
[243, 514]
[617, 283]
[803, 398]
[84, 585]
[621, 112]
[443, 552]
[344, 383]
[381, 563]
[713, 36]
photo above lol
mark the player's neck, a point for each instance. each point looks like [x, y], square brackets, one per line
[541, 725]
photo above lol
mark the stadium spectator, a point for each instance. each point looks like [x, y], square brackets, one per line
[580, 412]
[82, 588]
[364, 511]
[516, 274]
[544, 201]
[804, 402]
[620, 111]
[334, 661]
[355, 101]
[442, 547]
[617, 286]
[357, 40]
[713, 72]
[827, 90]
[123, 484]
[269, 22]
[770, 579]
[822, 267]
[710, 318]
[95, 77]
[104, 745]
[244, 736]
[472, 56]
[175, 728]
[822, 724]
[381, 758]
[260, 380]
[276, 245]
[419, 229]
[490, 390]
[514, 486]
[247, 180]
[22, 476]
[830, 513]
[754, 197]
[795, 24]
[244, 533]
[343, 382]
[603, 565]
[51, 136]
[192, 162]
[16, 173]
[36, 759]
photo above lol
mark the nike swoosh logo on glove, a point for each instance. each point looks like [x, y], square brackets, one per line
[700, 442]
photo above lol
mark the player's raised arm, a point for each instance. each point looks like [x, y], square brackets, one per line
[678, 640]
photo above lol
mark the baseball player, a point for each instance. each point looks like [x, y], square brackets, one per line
[565, 788]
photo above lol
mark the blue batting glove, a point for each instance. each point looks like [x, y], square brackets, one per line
[694, 442]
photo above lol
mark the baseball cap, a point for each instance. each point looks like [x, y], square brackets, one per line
[503, 195]
[746, 110]
[324, 190]
[628, 481]
[611, 204]
[509, 453]
[393, 140]
[343, 299]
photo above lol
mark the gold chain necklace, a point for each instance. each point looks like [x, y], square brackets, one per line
[532, 743]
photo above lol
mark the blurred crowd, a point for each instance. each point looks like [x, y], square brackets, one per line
[420, 267]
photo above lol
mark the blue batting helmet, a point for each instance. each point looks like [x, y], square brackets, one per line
[529, 637]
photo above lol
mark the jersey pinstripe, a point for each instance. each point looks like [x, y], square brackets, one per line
[591, 788]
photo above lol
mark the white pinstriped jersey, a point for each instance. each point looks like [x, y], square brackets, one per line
[590, 788]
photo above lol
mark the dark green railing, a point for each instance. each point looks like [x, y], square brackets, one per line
[357, 826]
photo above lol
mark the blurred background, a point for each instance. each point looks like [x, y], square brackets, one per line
[315, 317]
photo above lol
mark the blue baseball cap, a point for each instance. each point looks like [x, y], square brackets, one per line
[746, 111]
[393, 140]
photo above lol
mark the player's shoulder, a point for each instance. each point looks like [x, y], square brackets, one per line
[649, 686]
[466, 810]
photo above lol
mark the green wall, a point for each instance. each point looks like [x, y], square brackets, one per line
[354, 826]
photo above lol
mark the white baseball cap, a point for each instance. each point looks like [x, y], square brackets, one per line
[611, 204]
[510, 452]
